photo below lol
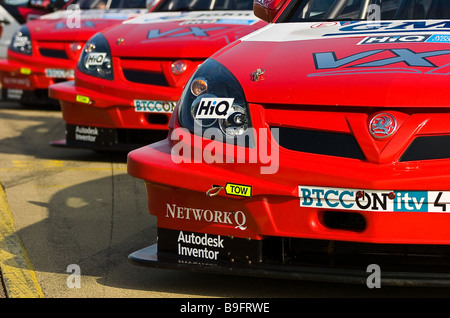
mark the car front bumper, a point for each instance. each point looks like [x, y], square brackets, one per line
[264, 258]
[28, 83]
[112, 119]
[284, 238]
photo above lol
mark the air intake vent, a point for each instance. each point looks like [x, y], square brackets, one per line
[320, 142]
[58, 54]
[149, 78]
[344, 221]
[428, 148]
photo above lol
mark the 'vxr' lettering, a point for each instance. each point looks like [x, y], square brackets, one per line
[327, 60]
[195, 31]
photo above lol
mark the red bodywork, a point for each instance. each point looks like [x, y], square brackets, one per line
[112, 104]
[342, 193]
[56, 48]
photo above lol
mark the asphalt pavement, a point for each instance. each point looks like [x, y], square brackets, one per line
[69, 218]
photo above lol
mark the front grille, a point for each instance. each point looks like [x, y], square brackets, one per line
[140, 136]
[353, 255]
[320, 142]
[427, 148]
[59, 54]
[144, 77]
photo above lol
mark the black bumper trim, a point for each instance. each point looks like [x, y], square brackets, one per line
[149, 257]
[63, 143]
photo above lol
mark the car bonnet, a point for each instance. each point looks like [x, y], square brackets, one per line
[78, 25]
[385, 63]
[180, 34]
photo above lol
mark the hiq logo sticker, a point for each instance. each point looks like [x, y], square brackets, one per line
[214, 108]
[95, 59]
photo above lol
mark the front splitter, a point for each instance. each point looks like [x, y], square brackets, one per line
[63, 143]
[149, 257]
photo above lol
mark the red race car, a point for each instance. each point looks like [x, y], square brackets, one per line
[45, 50]
[130, 77]
[315, 148]
[15, 13]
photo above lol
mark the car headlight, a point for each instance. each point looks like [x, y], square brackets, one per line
[96, 58]
[213, 104]
[21, 41]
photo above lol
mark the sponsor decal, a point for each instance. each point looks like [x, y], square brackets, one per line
[219, 21]
[86, 134]
[236, 21]
[95, 14]
[83, 99]
[16, 81]
[196, 17]
[374, 200]
[95, 59]
[25, 71]
[204, 246]
[20, 41]
[382, 125]
[83, 24]
[89, 134]
[395, 39]
[323, 25]
[326, 60]
[59, 73]
[439, 38]
[375, 61]
[214, 108]
[179, 32]
[154, 106]
[236, 219]
[368, 27]
[239, 190]
[413, 38]
[13, 93]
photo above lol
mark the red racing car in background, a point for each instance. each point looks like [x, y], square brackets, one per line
[45, 50]
[315, 148]
[130, 77]
[15, 13]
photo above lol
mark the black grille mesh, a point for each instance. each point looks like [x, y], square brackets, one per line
[59, 54]
[320, 142]
[428, 148]
[148, 78]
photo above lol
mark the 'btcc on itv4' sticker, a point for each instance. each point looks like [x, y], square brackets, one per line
[374, 200]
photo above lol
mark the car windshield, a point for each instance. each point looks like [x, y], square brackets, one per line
[346, 10]
[199, 5]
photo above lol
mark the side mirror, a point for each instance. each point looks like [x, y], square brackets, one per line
[267, 9]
